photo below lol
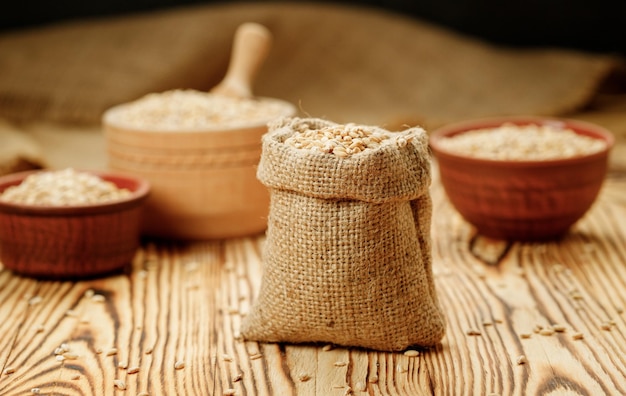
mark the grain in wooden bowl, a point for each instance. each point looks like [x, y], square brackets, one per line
[69, 224]
[199, 151]
[522, 178]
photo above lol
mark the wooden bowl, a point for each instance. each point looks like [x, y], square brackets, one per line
[203, 181]
[521, 200]
[71, 241]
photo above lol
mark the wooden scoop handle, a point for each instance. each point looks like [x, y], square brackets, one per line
[250, 48]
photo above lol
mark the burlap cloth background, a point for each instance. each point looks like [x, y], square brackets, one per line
[341, 63]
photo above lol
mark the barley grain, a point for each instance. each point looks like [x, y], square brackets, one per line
[179, 365]
[521, 359]
[340, 140]
[133, 370]
[119, 384]
[8, 370]
[35, 391]
[522, 143]
[62, 188]
[190, 109]
[411, 353]
[578, 336]
[98, 298]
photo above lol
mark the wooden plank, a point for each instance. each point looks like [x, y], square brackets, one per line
[185, 302]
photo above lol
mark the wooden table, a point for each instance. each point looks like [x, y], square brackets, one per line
[184, 303]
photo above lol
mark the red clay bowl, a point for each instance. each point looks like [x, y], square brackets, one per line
[522, 200]
[71, 241]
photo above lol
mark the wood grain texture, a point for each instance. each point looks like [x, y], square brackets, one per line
[185, 302]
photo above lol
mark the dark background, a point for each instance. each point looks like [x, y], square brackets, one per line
[592, 25]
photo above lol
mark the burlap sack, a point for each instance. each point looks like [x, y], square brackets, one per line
[347, 256]
[349, 64]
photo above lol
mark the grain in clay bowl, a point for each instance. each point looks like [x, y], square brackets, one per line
[69, 224]
[522, 178]
[200, 150]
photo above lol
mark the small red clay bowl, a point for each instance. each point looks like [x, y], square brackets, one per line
[70, 242]
[528, 200]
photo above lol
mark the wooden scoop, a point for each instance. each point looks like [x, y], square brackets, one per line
[250, 48]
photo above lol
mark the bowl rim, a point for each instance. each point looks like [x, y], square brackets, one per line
[109, 119]
[139, 194]
[580, 127]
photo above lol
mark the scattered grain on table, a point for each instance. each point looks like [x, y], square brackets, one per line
[98, 298]
[119, 384]
[8, 371]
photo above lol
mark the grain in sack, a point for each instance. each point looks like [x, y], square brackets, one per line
[347, 255]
